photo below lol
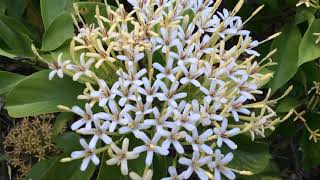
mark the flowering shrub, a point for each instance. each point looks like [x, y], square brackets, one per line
[165, 89]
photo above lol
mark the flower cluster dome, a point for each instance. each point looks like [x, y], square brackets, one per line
[180, 76]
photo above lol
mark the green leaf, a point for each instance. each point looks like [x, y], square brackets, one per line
[308, 49]
[60, 30]
[250, 159]
[14, 8]
[3, 157]
[50, 9]
[37, 95]
[286, 57]
[15, 24]
[53, 169]
[18, 43]
[310, 149]
[6, 54]
[8, 81]
[271, 172]
[287, 104]
[304, 14]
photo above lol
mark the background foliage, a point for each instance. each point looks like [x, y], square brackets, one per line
[287, 153]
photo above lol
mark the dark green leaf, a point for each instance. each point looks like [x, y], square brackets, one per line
[88, 10]
[308, 49]
[18, 43]
[37, 95]
[287, 104]
[50, 9]
[250, 159]
[270, 173]
[8, 81]
[286, 57]
[60, 30]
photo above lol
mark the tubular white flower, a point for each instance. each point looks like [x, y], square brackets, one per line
[194, 165]
[150, 146]
[219, 165]
[57, 67]
[223, 135]
[121, 156]
[88, 154]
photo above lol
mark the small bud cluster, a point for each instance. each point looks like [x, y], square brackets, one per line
[173, 74]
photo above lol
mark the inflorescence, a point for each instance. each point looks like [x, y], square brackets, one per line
[173, 74]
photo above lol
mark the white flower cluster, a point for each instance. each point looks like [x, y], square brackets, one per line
[184, 87]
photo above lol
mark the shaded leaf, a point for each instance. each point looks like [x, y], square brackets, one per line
[59, 31]
[308, 49]
[61, 122]
[287, 104]
[8, 81]
[50, 9]
[286, 57]
[250, 159]
[37, 95]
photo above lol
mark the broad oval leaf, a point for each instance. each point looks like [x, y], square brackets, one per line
[286, 57]
[308, 49]
[60, 30]
[50, 9]
[8, 81]
[37, 95]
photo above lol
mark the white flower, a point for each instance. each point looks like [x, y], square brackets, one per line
[87, 117]
[194, 165]
[150, 146]
[191, 75]
[140, 107]
[168, 71]
[88, 153]
[122, 89]
[173, 174]
[117, 115]
[160, 121]
[198, 142]
[182, 116]
[219, 165]
[57, 67]
[133, 55]
[146, 176]
[148, 90]
[105, 94]
[168, 40]
[121, 156]
[173, 138]
[235, 107]
[134, 125]
[216, 89]
[223, 134]
[99, 132]
[170, 95]
[81, 69]
[132, 76]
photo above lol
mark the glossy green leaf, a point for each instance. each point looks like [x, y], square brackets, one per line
[308, 49]
[60, 30]
[37, 95]
[50, 9]
[271, 172]
[53, 169]
[250, 159]
[287, 104]
[304, 14]
[18, 43]
[8, 81]
[286, 57]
